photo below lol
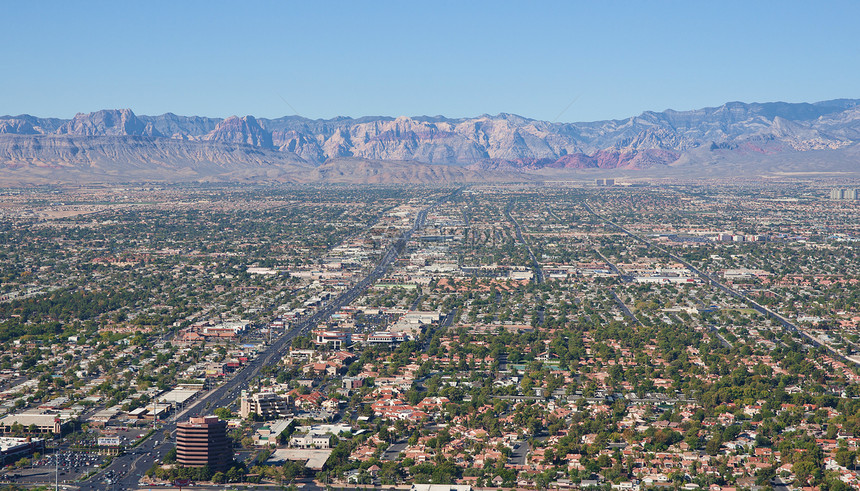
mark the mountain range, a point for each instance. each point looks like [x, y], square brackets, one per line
[117, 145]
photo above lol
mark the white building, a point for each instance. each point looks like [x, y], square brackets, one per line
[310, 440]
[268, 405]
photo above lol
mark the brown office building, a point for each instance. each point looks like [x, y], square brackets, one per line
[203, 441]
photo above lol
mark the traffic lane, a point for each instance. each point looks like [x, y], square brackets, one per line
[129, 468]
[139, 458]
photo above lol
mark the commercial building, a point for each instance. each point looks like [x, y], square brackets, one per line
[268, 434]
[13, 449]
[35, 423]
[178, 396]
[268, 405]
[386, 338]
[333, 339]
[203, 441]
[310, 440]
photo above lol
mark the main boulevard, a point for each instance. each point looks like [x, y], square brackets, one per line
[131, 466]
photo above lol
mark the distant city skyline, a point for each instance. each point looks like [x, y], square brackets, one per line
[557, 61]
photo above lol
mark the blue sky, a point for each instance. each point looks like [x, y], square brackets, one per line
[458, 58]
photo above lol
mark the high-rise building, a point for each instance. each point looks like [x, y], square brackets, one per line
[203, 441]
[849, 194]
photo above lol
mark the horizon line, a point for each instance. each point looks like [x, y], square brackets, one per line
[841, 99]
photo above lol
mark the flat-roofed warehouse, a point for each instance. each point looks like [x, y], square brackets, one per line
[35, 422]
[177, 396]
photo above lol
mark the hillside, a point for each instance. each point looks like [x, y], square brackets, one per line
[119, 145]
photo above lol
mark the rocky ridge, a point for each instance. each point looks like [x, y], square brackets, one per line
[486, 144]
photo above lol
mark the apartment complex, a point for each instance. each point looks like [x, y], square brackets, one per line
[849, 194]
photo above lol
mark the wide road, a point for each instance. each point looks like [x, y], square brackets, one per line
[539, 278]
[132, 465]
[624, 308]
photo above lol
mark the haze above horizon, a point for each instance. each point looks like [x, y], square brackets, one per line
[561, 61]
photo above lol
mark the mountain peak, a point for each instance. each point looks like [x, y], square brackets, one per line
[108, 122]
[246, 131]
[505, 140]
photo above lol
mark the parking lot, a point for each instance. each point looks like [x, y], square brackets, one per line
[69, 467]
